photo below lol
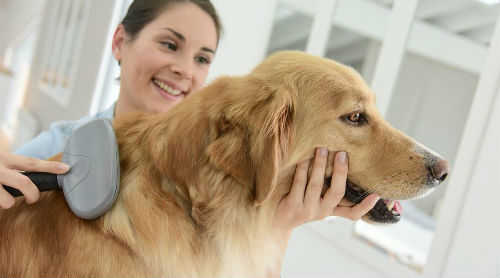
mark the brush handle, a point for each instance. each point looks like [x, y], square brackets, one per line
[44, 182]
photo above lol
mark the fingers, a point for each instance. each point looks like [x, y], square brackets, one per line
[299, 181]
[21, 182]
[317, 179]
[357, 211]
[6, 200]
[336, 192]
[346, 203]
[23, 163]
[12, 178]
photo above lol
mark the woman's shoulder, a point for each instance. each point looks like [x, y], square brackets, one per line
[52, 141]
[68, 127]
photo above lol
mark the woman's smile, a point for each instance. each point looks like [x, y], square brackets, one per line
[169, 89]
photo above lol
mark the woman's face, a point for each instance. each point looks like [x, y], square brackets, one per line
[168, 59]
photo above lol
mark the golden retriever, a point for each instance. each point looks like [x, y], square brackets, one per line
[200, 183]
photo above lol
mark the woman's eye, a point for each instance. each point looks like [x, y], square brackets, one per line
[170, 45]
[203, 60]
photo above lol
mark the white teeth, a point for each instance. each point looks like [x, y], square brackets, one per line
[391, 205]
[167, 88]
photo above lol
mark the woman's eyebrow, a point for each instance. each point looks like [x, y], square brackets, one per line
[182, 38]
[208, 50]
[177, 34]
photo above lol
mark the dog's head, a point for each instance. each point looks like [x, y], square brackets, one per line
[292, 103]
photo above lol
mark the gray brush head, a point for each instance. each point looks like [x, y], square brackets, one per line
[91, 185]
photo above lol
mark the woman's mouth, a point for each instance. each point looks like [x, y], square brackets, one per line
[168, 90]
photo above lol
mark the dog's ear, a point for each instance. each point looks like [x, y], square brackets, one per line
[229, 152]
[251, 150]
[272, 141]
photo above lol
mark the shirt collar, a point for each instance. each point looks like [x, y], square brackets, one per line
[108, 113]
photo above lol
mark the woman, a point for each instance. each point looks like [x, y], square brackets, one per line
[165, 49]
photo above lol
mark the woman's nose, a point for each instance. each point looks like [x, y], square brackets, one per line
[183, 68]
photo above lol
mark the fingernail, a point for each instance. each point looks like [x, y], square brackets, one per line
[63, 167]
[342, 157]
[323, 151]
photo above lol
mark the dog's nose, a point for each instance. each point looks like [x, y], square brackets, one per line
[439, 170]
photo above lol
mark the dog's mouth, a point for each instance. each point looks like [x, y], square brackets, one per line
[385, 211]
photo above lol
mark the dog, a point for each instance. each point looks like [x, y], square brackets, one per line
[200, 183]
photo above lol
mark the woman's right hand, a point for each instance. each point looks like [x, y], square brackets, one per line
[11, 164]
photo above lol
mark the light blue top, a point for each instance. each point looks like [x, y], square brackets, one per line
[52, 142]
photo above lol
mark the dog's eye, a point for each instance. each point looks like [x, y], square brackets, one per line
[354, 117]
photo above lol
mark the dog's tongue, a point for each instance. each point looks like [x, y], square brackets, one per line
[394, 206]
[397, 207]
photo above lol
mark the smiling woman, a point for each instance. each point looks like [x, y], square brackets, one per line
[168, 58]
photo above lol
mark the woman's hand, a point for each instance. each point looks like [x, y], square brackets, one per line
[304, 202]
[10, 163]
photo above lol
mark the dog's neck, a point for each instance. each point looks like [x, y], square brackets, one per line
[171, 149]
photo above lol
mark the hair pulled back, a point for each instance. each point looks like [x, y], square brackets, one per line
[141, 12]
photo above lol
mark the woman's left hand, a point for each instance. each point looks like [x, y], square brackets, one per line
[304, 203]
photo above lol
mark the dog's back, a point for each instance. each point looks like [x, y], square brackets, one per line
[46, 239]
[150, 230]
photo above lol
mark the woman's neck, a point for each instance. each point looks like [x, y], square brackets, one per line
[125, 106]
[122, 107]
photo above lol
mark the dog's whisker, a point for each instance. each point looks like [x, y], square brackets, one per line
[362, 196]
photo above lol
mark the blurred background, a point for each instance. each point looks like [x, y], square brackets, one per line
[434, 65]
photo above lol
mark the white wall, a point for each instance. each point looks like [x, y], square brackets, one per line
[475, 246]
[3, 5]
[5, 81]
[247, 27]
[18, 20]
[14, 16]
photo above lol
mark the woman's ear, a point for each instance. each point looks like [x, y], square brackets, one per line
[118, 42]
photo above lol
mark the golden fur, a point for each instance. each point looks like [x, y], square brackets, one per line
[200, 183]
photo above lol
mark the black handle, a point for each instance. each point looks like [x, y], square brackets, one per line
[44, 182]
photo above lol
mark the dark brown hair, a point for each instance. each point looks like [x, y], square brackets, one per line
[142, 12]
